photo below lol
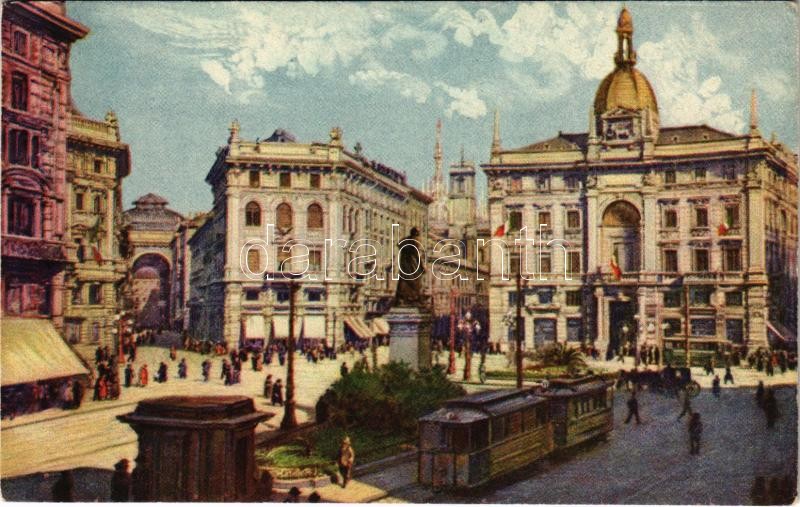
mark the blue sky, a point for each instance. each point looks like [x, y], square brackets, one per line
[177, 74]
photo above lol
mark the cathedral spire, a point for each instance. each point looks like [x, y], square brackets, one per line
[438, 175]
[496, 135]
[626, 55]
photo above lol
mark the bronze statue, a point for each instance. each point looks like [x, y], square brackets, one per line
[411, 268]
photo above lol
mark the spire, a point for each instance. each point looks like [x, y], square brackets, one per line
[626, 55]
[437, 150]
[496, 136]
[753, 113]
[234, 132]
[592, 125]
[462, 156]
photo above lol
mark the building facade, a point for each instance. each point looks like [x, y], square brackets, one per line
[272, 194]
[37, 37]
[149, 229]
[97, 162]
[674, 237]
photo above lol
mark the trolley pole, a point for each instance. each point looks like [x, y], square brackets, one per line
[451, 367]
[519, 329]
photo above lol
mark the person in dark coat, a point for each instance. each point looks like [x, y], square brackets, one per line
[715, 388]
[182, 368]
[162, 372]
[695, 432]
[760, 394]
[770, 408]
[121, 482]
[268, 387]
[129, 375]
[63, 488]
[277, 393]
[206, 370]
[687, 405]
[633, 409]
[728, 375]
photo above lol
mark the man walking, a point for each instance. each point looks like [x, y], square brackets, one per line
[770, 408]
[268, 388]
[695, 432]
[633, 409]
[728, 375]
[206, 370]
[277, 393]
[182, 368]
[715, 388]
[687, 405]
[345, 460]
[128, 375]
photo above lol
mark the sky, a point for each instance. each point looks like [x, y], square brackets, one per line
[177, 74]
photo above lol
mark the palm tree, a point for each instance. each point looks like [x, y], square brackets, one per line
[560, 354]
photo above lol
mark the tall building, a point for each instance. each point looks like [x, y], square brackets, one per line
[37, 37]
[274, 193]
[680, 237]
[97, 162]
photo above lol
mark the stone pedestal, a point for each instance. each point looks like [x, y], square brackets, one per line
[195, 448]
[410, 336]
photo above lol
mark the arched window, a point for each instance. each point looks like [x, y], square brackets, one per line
[254, 260]
[252, 214]
[284, 214]
[314, 217]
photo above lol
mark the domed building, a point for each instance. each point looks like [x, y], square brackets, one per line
[669, 241]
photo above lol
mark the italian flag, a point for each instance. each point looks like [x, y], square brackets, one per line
[500, 231]
[615, 266]
[724, 227]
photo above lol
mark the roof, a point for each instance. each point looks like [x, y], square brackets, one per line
[572, 386]
[455, 416]
[627, 88]
[33, 350]
[151, 199]
[496, 403]
[281, 136]
[150, 212]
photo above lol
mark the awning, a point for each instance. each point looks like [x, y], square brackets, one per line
[781, 332]
[254, 327]
[359, 327]
[314, 327]
[280, 327]
[33, 350]
[380, 326]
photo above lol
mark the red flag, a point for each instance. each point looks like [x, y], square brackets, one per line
[98, 257]
[615, 267]
[501, 231]
[724, 227]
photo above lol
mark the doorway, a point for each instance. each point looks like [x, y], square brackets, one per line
[621, 314]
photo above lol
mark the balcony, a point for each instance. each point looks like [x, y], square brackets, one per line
[34, 249]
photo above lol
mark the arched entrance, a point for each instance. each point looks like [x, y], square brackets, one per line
[621, 236]
[150, 291]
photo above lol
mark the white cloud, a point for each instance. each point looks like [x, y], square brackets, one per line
[374, 76]
[218, 73]
[429, 44]
[465, 101]
[776, 85]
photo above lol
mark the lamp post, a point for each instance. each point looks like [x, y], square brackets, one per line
[289, 420]
[451, 367]
[625, 339]
[468, 326]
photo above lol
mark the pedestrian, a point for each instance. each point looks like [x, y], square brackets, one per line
[770, 408]
[225, 373]
[687, 405]
[294, 495]
[343, 370]
[314, 497]
[78, 391]
[769, 368]
[162, 372]
[760, 394]
[709, 369]
[633, 409]
[128, 374]
[63, 488]
[277, 393]
[728, 375]
[144, 375]
[715, 389]
[206, 370]
[182, 368]
[345, 460]
[268, 387]
[121, 482]
[695, 432]
[113, 387]
[173, 354]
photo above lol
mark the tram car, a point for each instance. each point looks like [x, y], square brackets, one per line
[479, 437]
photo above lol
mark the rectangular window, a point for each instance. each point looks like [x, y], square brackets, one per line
[20, 43]
[571, 182]
[573, 298]
[545, 296]
[669, 177]
[255, 179]
[98, 166]
[671, 327]
[514, 263]
[77, 294]
[20, 216]
[18, 147]
[732, 259]
[35, 155]
[95, 294]
[544, 332]
[97, 205]
[729, 172]
[733, 298]
[314, 296]
[315, 181]
[671, 219]
[314, 260]
[700, 259]
[700, 296]
[703, 327]
[574, 330]
[734, 330]
[544, 219]
[700, 174]
[670, 261]
[573, 263]
[282, 296]
[254, 260]
[672, 298]
[251, 295]
[545, 265]
[701, 217]
[79, 201]
[514, 221]
[573, 219]
[732, 215]
[280, 259]
[516, 185]
[19, 91]
[543, 182]
[285, 180]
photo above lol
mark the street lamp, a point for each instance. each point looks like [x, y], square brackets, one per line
[451, 367]
[289, 420]
[468, 326]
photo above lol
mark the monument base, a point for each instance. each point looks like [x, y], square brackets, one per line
[410, 336]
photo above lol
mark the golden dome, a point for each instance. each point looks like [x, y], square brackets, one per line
[625, 87]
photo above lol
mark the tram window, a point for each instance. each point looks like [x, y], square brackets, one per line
[498, 429]
[530, 418]
[459, 438]
[515, 423]
[480, 435]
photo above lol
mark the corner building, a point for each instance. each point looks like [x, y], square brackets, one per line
[682, 237]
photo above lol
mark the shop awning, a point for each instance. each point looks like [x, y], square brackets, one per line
[254, 327]
[33, 350]
[781, 332]
[314, 327]
[359, 327]
[280, 327]
[380, 326]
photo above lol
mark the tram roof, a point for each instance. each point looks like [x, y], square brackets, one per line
[483, 405]
[571, 387]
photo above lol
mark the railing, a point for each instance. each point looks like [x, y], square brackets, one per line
[94, 127]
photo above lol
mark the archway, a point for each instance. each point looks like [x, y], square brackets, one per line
[150, 291]
[621, 236]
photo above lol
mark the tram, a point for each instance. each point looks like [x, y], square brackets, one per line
[479, 437]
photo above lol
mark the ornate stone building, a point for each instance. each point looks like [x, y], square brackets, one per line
[149, 229]
[672, 236]
[273, 193]
[97, 162]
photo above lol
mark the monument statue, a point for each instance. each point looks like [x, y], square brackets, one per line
[409, 286]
